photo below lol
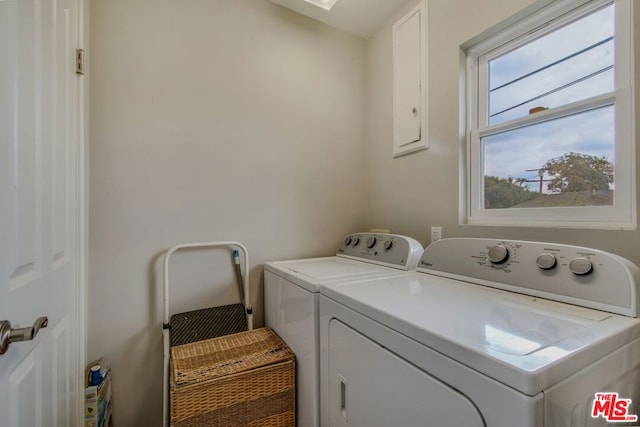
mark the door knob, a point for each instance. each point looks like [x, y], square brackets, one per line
[9, 335]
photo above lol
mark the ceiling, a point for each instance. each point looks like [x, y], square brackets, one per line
[359, 17]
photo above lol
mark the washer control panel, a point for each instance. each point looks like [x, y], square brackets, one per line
[573, 274]
[391, 250]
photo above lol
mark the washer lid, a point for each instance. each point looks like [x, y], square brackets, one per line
[525, 342]
[312, 272]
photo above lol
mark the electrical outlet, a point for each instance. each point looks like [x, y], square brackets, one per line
[436, 233]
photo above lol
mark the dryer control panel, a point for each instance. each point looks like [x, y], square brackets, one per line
[572, 274]
[391, 250]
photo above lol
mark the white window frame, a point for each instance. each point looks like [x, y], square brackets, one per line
[504, 37]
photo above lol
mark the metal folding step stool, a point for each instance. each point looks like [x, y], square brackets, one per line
[202, 324]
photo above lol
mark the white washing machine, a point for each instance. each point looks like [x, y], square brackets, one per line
[291, 292]
[485, 333]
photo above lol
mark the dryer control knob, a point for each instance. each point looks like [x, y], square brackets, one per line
[388, 245]
[356, 241]
[580, 266]
[371, 242]
[348, 241]
[546, 261]
[498, 254]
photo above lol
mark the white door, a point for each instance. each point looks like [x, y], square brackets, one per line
[369, 386]
[39, 211]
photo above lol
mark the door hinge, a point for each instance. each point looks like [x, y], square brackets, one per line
[80, 61]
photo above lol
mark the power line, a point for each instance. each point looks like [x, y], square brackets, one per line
[557, 89]
[566, 58]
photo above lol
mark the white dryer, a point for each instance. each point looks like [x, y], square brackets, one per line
[486, 333]
[291, 292]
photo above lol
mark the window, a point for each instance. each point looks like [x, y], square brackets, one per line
[550, 133]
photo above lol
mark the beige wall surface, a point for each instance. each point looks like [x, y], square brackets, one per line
[410, 194]
[227, 119]
[211, 120]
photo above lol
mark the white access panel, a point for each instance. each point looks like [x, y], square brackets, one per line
[369, 386]
[409, 82]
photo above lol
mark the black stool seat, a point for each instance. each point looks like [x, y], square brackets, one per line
[206, 323]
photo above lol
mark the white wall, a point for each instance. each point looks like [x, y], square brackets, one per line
[211, 120]
[237, 119]
[410, 194]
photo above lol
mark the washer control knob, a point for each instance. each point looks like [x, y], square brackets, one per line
[356, 241]
[348, 241]
[580, 266]
[546, 261]
[388, 245]
[498, 254]
[371, 242]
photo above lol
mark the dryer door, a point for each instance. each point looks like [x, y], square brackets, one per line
[372, 387]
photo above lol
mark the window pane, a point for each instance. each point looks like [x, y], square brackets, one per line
[572, 63]
[562, 162]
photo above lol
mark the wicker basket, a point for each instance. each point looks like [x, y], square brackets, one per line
[244, 379]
